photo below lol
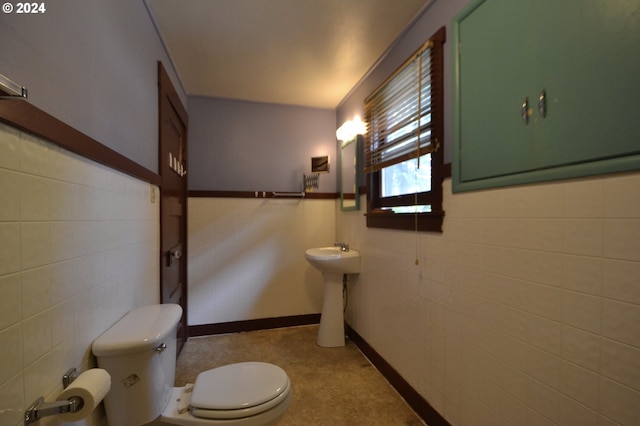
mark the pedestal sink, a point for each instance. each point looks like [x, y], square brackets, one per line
[334, 263]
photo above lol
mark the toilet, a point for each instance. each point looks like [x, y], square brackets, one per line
[139, 352]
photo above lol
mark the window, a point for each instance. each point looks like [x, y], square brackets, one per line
[403, 153]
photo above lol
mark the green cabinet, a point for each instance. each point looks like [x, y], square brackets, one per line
[544, 90]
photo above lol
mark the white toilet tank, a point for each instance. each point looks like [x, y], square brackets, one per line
[139, 352]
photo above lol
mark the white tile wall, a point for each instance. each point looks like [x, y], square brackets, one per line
[524, 311]
[78, 249]
[246, 257]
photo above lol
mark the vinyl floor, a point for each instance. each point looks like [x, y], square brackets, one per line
[331, 386]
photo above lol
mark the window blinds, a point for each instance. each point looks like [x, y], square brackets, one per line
[399, 114]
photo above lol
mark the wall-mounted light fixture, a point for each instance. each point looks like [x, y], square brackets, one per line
[350, 129]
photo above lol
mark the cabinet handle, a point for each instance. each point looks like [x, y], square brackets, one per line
[542, 104]
[524, 111]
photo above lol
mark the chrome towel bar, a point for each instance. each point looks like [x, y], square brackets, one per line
[14, 90]
[288, 194]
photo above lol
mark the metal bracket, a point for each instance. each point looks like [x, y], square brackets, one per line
[12, 89]
[69, 377]
[40, 409]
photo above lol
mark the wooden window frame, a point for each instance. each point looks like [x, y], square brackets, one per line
[378, 214]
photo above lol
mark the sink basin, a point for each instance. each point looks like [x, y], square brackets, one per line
[332, 259]
[334, 265]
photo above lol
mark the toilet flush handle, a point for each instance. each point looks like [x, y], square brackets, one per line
[161, 348]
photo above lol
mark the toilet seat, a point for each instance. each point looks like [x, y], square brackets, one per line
[238, 390]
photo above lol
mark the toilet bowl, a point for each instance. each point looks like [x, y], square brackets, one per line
[139, 352]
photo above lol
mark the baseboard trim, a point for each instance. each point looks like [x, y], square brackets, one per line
[252, 325]
[420, 405]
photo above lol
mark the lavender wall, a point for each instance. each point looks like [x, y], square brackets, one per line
[93, 65]
[249, 146]
[437, 15]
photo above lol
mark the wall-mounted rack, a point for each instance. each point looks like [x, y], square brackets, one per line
[177, 165]
[276, 194]
[11, 88]
[310, 182]
[262, 194]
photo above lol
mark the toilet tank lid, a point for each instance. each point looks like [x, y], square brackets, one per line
[141, 329]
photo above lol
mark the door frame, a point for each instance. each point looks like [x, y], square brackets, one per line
[168, 98]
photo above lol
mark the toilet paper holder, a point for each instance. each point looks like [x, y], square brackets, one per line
[40, 409]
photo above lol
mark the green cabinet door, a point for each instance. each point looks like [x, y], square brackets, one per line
[583, 55]
[588, 63]
[495, 72]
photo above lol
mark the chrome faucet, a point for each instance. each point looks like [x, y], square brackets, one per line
[343, 246]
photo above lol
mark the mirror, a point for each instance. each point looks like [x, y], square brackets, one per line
[349, 193]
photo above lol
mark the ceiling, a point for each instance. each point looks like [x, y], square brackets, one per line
[294, 52]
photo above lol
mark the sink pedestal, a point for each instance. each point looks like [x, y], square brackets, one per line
[334, 263]
[331, 333]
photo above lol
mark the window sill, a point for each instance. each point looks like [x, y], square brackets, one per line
[424, 222]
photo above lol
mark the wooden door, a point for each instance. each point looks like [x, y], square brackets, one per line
[173, 199]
